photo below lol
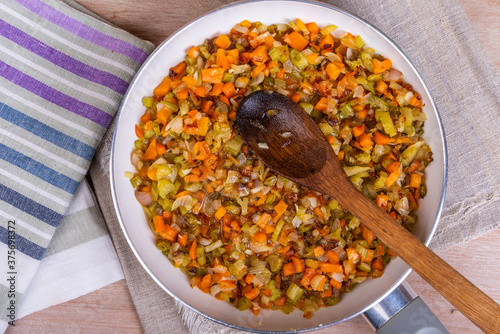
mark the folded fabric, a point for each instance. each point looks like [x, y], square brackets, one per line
[440, 41]
[63, 73]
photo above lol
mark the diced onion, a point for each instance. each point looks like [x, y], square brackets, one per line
[263, 146]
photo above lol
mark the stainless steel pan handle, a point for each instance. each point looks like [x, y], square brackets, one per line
[403, 312]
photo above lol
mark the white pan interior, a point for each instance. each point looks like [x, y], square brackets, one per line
[131, 215]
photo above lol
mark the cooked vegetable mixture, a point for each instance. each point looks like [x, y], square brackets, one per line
[243, 233]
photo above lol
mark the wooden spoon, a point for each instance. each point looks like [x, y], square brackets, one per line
[288, 141]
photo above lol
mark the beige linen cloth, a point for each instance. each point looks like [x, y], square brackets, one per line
[441, 43]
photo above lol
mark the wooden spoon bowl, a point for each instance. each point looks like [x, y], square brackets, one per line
[288, 141]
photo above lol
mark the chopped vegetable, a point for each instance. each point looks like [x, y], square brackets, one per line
[242, 232]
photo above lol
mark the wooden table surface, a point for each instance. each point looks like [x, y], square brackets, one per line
[110, 309]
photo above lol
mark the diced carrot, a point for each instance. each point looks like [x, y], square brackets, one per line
[163, 116]
[269, 228]
[183, 94]
[168, 233]
[192, 250]
[138, 132]
[259, 55]
[159, 223]
[280, 301]
[306, 278]
[217, 89]
[235, 53]
[380, 249]
[381, 87]
[393, 166]
[160, 148]
[260, 237]
[352, 254]
[296, 40]
[151, 152]
[332, 256]
[299, 264]
[381, 66]
[296, 97]
[221, 211]
[369, 255]
[202, 124]
[318, 251]
[208, 188]
[358, 130]
[311, 59]
[261, 200]
[280, 209]
[288, 269]
[331, 268]
[263, 220]
[223, 41]
[249, 278]
[189, 80]
[228, 89]
[322, 104]
[382, 200]
[183, 193]
[200, 91]
[178, 71]
[381, 139]
[258, 69]
[205, 105]
[365, 140]
[391, 253]
[377, 265]
[362, 113]
[415, 180]
[221, 59]
[341, 155]
[182, 239]
[206, 281]
[392, 178]
[336, 284]
[201, 150]
[327, 293]
[191, 178]
[368, 236]
[163, 88]
[166, 215]
[332, 71]
[313, 29]
[326, 42]
[318, 212]
[416, 102]
[194, 52]
[224, 99]
[213, 75]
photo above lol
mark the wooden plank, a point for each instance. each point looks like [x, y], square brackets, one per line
[110, 309]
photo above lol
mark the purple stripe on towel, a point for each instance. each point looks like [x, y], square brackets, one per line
[62, 60]
[84, 31]
[50, 94]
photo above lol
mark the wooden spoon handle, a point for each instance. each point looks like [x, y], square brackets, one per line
[465, 296]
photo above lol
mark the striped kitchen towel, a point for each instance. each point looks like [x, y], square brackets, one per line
[63, 73]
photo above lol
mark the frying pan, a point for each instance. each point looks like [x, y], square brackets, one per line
[378, 299]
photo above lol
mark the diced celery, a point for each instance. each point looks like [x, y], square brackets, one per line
[359, 279]
[243, 303]
[170, 105]
[358, 42]
[380, 181]
[298, 59]
[387, 123]
[328, 29]
[200, 255]
[375, 77]
[352, 170]
[165, 187]
[277, 230]
[227, 77]
[275, 262]
[336, 234]
[204, 52]
[346, 110]
[148, 102]
[362, 251]
[333, 204]
[308, 107]
[326, 128]
[364, 266]
[135, 181]
[234, 145]
[410, 153]
[194, 186]
[364, 158]
[366, 60]
[330, 301]
[294, 292]
[275, 291]
[279, 53]
[353, 223]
